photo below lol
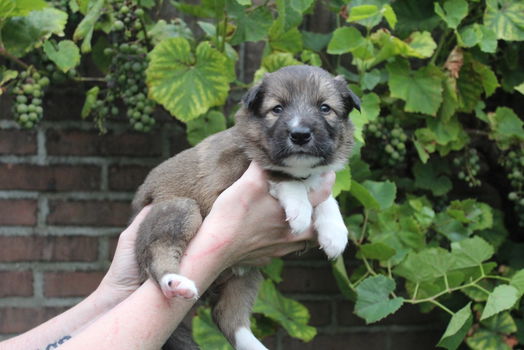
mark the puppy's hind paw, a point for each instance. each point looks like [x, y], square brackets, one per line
[174, 285]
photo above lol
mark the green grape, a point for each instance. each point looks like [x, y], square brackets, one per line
[386, 143]
[27, 108]
[467, 163]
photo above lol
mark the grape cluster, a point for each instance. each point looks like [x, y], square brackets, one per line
[468, 166]
[126, 78]
[513, 163]
[29, 91]
[389, 138]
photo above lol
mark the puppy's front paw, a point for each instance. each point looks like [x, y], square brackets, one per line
[333, 238]
[299, 217]
[174, 285]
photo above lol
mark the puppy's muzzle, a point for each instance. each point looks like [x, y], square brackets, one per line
[300, 135]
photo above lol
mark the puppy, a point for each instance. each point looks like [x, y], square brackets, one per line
[295, 125]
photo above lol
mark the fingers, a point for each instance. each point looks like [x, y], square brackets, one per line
[324, 191]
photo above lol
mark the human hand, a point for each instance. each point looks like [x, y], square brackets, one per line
[247, 225]
[122, 278]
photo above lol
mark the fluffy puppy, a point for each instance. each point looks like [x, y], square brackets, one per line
[295, 125]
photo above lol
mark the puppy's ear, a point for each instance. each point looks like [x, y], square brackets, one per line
[253, 98]
[350, 99]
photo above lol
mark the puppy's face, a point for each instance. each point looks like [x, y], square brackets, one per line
[297, 117]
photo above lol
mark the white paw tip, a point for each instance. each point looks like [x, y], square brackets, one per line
[245, 340]
[174, 285]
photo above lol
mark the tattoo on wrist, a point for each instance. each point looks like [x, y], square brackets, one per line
[57, 343]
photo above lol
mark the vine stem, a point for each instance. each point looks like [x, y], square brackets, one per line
[90, 79]
[368, 267]
[364, 227]
[505, 279]
[15, 59]
[442, 307]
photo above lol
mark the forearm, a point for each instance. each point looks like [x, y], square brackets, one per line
[147, 318]
[61, 328]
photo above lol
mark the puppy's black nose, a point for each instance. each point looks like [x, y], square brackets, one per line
[300, 135]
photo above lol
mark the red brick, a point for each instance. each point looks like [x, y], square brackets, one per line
[37, 248]
[86, 143]
[127, 177]
[17, 142]
[308, 280]
[89, 213]
[20, 319]
[18, 212]
[49, 178]
[320, 312]
[353, 340]
[16, 284]
[417, 339]
[71, 284]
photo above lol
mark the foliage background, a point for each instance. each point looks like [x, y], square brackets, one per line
[433, 195]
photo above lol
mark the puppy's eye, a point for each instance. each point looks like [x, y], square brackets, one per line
[278, 109]
[325, 108]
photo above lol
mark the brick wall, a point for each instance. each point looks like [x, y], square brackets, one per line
[64, 197]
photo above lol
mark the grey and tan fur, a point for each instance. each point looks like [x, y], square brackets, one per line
[295, 125]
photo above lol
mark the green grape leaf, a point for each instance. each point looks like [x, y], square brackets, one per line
[384, 192]
[274, 62]
[22, 34]
[376, 250]
[520, 88]
[289, 41]
[370, 106]
[342, 182]
[371, 79]
[86, 27]
[505, 19]
[250, 25]
[24, 7]
[421, 89]
[368, 13]
[344, 40]
[363, 195]
[244, 2]
[373, 302]
[517, 281]
[205, 332]
[292, 315]
[418, 44]
[480, 35]
[6, 75]
[316, 41]
[426, 265]
[390, 15]
[484, 339]
[342, 278]
[501, 323]
[502, 298]
[65, 55]
[274, 270]
[7, 8]
[457, 329]
[357, 13]
[429, 177]
[91, 98]
[488, 77]
[453, 13]
[187, 84]
[162, 30]
[415, 15]
[471, 252]
[204, 126]
[506, 126]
